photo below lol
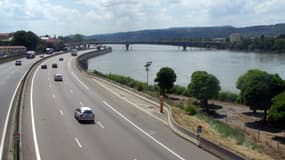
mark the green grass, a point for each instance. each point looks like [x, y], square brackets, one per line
[228, 131]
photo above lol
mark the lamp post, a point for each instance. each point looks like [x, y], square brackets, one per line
[147, 69]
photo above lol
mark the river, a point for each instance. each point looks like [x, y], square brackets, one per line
[226, 65]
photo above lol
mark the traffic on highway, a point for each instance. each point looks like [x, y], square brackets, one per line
[68, 115]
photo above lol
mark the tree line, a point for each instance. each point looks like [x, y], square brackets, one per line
[259, 44]
[258, 90]
[32, 42]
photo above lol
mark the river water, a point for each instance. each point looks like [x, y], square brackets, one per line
[226, 65]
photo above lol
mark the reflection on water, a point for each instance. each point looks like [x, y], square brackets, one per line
[227, 66]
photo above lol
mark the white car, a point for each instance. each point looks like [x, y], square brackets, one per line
[84, 114]
[58, 77]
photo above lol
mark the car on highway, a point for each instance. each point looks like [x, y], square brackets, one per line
[54, 65]
[74, 52]
[60, 58]
[58, 77]
[44, 66]
[18, 63]
[84, 114]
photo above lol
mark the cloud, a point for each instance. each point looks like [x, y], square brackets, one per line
[105, 16]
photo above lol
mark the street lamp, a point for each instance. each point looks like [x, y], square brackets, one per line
[147, 69]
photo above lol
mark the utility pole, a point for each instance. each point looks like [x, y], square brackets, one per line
[147, 69]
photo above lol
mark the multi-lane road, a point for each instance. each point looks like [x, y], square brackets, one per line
[126, 127]
[10, 77]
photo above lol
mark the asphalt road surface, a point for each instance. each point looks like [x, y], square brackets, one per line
[10, 75]
[126, 128]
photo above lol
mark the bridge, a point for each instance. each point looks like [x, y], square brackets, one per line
[184, 44]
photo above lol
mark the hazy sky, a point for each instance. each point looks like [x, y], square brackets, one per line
[63, 17]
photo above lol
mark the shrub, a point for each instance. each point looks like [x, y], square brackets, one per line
[228, 96]
[190, 109]
[179, 90]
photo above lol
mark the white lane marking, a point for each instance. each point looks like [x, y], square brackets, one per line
[61, 112]
[78, 143]
[49, 86]
[144, 132]
[53, 96]
[7, 117]
[48, 79]
[132, 103]
[36, 145]
[100, 124]
[81, 104]
[71, 91]
[80, 81]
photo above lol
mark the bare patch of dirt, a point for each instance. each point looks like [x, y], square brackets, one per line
[239, 116]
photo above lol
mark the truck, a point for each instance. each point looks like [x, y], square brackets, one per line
[30, 54]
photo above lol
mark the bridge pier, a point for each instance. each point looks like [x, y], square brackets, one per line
[184, 48]
[127, 46]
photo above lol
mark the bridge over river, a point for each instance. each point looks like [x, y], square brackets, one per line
[184, 44]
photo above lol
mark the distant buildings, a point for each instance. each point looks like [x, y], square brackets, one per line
[12, 50]
[6, 37]
[235, 37]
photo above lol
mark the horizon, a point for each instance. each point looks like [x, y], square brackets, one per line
[106, 16]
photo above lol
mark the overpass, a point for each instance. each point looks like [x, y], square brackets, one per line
[184, 44]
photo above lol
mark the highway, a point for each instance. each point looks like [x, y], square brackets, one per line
[10, 78]
[126, 127]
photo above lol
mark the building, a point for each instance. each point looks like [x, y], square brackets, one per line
[235, 37]
[6, 37]
[12, 50]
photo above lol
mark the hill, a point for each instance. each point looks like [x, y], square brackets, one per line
[192, 32]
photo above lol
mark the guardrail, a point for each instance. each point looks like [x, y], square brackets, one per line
[207, 145]
[10, 58]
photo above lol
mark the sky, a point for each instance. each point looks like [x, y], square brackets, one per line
[89, 17]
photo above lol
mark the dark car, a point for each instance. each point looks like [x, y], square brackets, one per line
[60, 59]
[18, 63]
[54, 65]
[44, 66]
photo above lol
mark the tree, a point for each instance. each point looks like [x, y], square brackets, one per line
[165, 79]
[276, 113]
[257, 88]
[204, 86]
[27, 39]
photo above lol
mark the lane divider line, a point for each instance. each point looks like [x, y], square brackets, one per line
[78, 143]
[81, 104]
[80, 81]
[4, 132]
[100, 124]
[132, 103]
[49, 86]
[71, 91]
[53, 96]
[144, 132]
[36, 145]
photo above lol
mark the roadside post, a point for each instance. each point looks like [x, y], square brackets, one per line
[161, 104]
[199, 131]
